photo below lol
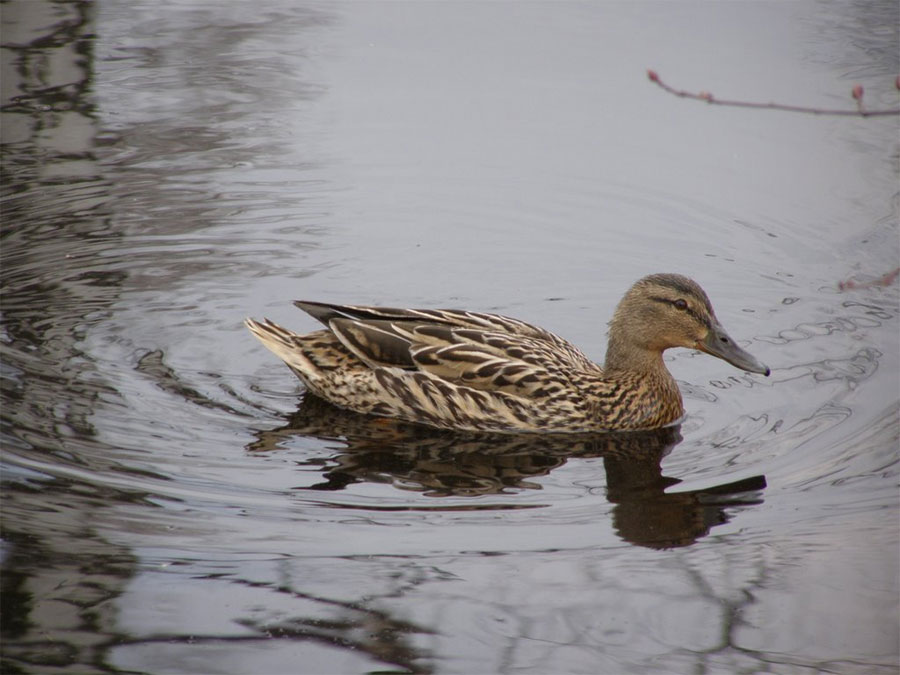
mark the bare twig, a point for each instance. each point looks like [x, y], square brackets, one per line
[857, 93]
[883, 280]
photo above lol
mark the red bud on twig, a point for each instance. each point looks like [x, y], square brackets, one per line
[858, 95]
[655, 78]
[883, 280]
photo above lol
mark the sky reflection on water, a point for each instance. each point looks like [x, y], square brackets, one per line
[172, 505]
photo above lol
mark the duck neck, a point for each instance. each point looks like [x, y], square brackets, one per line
[623, 355]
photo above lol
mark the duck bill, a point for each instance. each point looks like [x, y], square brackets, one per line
[719, 343]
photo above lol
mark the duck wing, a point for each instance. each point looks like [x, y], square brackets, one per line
[494, 362]
[388, 336]
[489, 361]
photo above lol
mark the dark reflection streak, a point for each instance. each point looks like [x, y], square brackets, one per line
[400, 656]
[49, 568]
[60, 576]
[32, 64]
[382, 634]
[44, 92]
[359, 628]
[152, 364]
[733, 611]
[446, 464]
[50, 386]
[457, 507]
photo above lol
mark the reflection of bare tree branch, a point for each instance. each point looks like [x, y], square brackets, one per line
[856, 92]
[734, 606]
[452, 464]
[58, 578]
[153, 364]
[359, 628]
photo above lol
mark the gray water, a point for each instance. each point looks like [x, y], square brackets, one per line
[173, 504]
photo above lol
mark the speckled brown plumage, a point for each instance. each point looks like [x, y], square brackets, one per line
[485, 372]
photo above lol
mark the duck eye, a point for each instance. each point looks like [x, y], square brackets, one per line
[680, 304]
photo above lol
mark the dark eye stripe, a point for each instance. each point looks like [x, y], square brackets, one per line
[687, 308]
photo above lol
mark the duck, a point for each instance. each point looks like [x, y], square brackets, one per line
[471, 371]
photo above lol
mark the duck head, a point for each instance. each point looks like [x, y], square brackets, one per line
[669, 310]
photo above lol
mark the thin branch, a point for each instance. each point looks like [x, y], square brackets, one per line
[857, 94]
[883, 280]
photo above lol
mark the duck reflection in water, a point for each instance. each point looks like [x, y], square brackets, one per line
[442, 463]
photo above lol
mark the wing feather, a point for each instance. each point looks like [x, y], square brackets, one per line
[406, 320]
[482, 352]
[481, 367]
[376, 343]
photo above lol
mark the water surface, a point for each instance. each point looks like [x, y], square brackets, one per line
[174, 504]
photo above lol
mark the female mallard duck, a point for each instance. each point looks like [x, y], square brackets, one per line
[462, 370]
